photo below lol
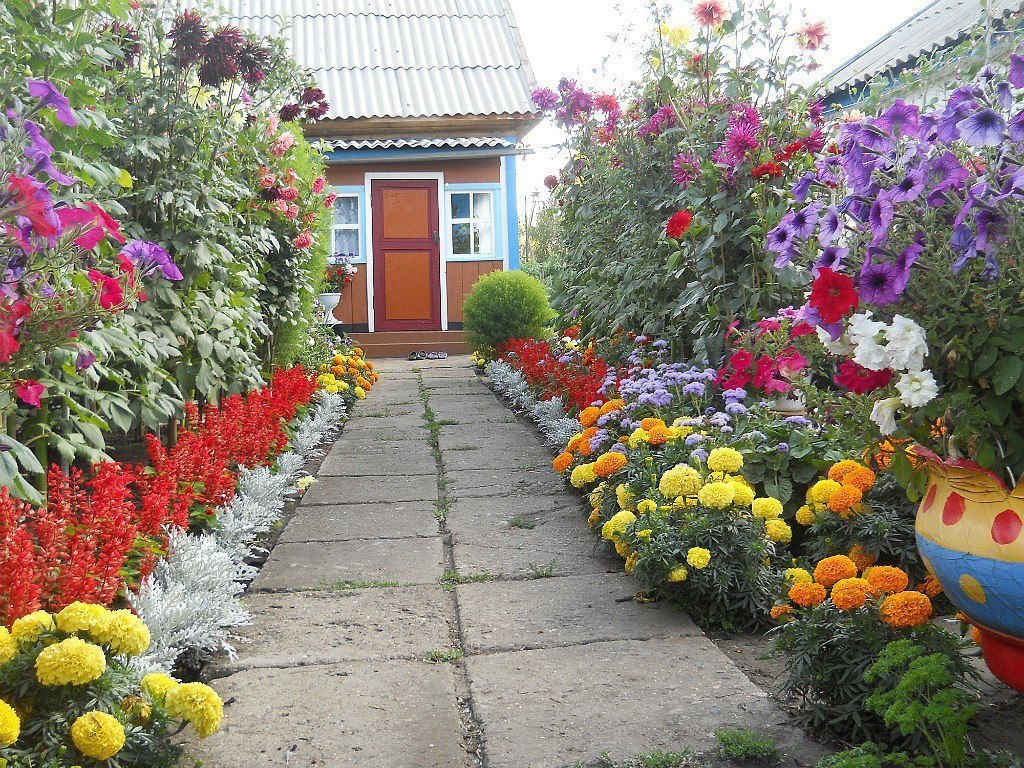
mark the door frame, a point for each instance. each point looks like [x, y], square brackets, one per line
[444, 245]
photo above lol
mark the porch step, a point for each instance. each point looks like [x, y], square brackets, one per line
[400, 343]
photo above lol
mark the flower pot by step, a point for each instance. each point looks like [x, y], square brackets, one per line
[970, 532]
[330, 301]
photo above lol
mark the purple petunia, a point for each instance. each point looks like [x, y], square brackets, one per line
[899, 120]
[829, 225]
[50, 96]
[39, 151]
[1017, 70]
[149, 256]
[877, 284]
[985, 128]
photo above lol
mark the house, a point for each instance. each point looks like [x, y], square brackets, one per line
[931, 36]
[430, 100]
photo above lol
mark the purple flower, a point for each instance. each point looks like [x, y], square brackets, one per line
[1017, 128]
[694, 389]
[738, 393]
[736, 409]
[149, 257]
[797, 421]
[829, 225]
[831, 257]
[49, 96]
[985, 128]
[699, 455]
[544, 98]
[910, 188]
[899, 120]
[803, 187]
[1017, 70]
[780, 239]
[906, 260]
[880, 219]
[877, 284]
[692, 440]
[947, 172]
[685, 169]
[85, 359]
[1004, 95]
[39, 151]
[783, 447]
[804, 221]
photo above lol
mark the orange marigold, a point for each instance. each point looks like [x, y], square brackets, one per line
[841, 469]
[588, 416]
[861, 478]
[930, 586]
[594, 519]
[562, 462]
[862, 558]
[585, 449]
[609, 463]
[833, 569]
[886, 580]
[778, 612]
[612, 405]
[658, 434]
[588, 433]
[650, 423]
[848, 594]
[842, 500]
[905, 609]
[805, 594]
[574, 443]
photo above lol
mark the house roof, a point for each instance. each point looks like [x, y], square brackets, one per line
[939, 25]
[403, 58]
[453, 142]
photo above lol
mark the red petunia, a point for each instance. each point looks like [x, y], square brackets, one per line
[678, 224]
[30, 391]
[11, 318]
[111, 293]
[31, 200]
[833, 294]
[859, 379]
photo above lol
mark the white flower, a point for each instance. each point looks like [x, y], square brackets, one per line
[866, 336]
[884, 414]
[906, 344]
[917, 388]
[840, 346]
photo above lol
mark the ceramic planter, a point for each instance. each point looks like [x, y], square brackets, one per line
[330, 301]
[970, 532]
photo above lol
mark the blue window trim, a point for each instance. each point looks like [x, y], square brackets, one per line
[500, 224]
[364, 239]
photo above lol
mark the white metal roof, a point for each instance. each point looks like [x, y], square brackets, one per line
[466, 142]
[402, 58]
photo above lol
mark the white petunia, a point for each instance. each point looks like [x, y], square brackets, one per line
[840, 346]
[906, 344]
[917, 388]
[867, 337]
[884, 414]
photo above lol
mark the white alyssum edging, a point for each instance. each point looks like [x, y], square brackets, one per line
[191, 601]
[550, 416]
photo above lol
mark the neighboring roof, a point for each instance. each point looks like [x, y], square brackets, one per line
[481, 142]
[403, 58]
[940, 25]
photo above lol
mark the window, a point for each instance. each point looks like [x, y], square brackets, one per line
[347, 240]
[472, 223]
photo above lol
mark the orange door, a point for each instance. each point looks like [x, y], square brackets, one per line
[406, 256]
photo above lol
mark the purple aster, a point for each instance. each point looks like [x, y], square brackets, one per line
[899, 120]
[877, 284]
[149, 257]
[1017, 70]
[544, 98]
[985, 128]
[49, 96]
[829, 225]
[694, 389]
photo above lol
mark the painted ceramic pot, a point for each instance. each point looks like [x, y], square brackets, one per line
[970, 532]
[330, 301]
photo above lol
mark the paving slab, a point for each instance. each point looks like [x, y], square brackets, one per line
[549, 708]
[476, 483]
[488, 454]
[305, 628]
[344, 522]
[509, 435]
[305, 566]
[369, 442]
[418, 461]
[365, 714]
[517, 555]
[358, 490]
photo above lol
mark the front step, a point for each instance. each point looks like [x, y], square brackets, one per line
[385, 344]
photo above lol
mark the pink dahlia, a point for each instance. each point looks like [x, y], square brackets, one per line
[812, 35]
[709, 13]
[685, 169]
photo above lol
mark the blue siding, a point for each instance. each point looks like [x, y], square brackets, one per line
[512, 200]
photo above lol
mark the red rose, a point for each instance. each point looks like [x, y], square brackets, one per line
[833, 295]
[677, 226]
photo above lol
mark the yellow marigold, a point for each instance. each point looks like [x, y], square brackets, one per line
[743, 494]
[930, 586]
[843, 498]
[887, 580]
[562, 462]
[637, 438]
[574, 443]
[717, 495]
[622, 548]
[8, 646]
[805, 515]
[125, 634]
[359, 392]
[678, 574]
[833, 569]
[157, 685]
[905, 609]
[10, 724]
[645, 534]
[861, 478]
[658, 435]
[86, 619]
[848, 594]
[768, 508]
[594, 517]
[631, 562]
[680, 480]
[798, 576]
[29, 627]
[97, 735]
[612, 405]
[820, 492]
[779, 612]
[778, 531]
[807, 594]
[725, 460]
[698, 557]
[136, 709]
[609, 463]
[647, 507]
[597, 495]
[589, 416]
[198, 704]
[862, 558]
[582, 475]
[624, 496]
[618, 524]
[841, 469]
[70, 662]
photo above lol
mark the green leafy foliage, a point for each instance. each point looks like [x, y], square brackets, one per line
[746, 746]
[504, 306]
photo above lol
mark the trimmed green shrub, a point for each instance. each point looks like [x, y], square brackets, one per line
[503, 306]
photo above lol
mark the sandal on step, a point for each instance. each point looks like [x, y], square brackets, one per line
[412, 356]
[442, 355]
[432, 356]
[421, 355]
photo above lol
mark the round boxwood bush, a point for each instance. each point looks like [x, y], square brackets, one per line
[503, 306]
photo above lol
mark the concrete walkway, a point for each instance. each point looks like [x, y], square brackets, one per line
[436, 601]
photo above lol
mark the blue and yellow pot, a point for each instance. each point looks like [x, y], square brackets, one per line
[970, 531]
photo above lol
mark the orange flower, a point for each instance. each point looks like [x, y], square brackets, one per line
[861, 478]
[779, 612]
[841, 469]
[842, 500]
[611, 406]
[594, 519]
[585, 449]
[930, 586]
[657, 435]
[833, 569]
[862, 559]
[848, 594]
[886, 580]
[609, 463]
[574, 443]
[562, 462]
[650, 423]
[589, 432]
[905, 609]
[588, 416]
[976, 635]
[805, 594]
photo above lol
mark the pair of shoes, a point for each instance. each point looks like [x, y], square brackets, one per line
[437, 356]
[421, 355]
[424, 355]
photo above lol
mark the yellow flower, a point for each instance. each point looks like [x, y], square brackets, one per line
[582, 475]
[678, 574]
[70, 662]
[617, 525]
[28, 628]
[631, 562]
[820, 492]
[360, 393]
[725, 460]
[743, 494]
[332, 389]
[778, 531]
[647, 507]
[86, 619]
[698, 557]
[125, 634]
[8, 646]
[716, 495]
[768, 508]
[639, 437]
[157, 685]
[805, 515]
[622, 548]
[97, 735]
[680, 480]
[10, 724]
[677, 37]
[798, 576]
[136, 709]
[597, 495]
[197, 703]
[645, 534]
[624, 496]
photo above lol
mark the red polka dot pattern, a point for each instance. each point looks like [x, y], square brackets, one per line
[929, 499]
[1006, 527]
[953, 509]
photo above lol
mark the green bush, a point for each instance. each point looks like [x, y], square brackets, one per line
[503, 306]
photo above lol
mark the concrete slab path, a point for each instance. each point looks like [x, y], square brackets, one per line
[436, 600]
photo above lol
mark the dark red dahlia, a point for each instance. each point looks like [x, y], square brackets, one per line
[312, 95]
[315, 113]
[220, 56]
[290, 112]
[189, 34]
[252, 60]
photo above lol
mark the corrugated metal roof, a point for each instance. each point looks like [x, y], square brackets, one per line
[939, 25]
[467, 142]
[402, 58]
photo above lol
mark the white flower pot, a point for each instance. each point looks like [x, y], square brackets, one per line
[330, 301]
[787, 404]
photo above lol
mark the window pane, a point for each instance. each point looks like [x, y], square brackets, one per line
[461, 239]
[346, 210]
[482, 205]
[346, 242]
[460, 206]
[483, 238]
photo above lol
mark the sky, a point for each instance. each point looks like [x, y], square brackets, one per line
[588, 40]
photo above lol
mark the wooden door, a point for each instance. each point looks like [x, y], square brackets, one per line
[406, 255]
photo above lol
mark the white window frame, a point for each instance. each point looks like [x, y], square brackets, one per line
[357, 227]
[473, 222]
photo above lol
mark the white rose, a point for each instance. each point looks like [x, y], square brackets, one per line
[917, 388]
[840, 346]
[867, 336]
[884, 414]
[906, 345]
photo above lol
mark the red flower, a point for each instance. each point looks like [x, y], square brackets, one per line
[551, 181]
[801, 329]
[32, 201]
[29, 391]
[833, 294]
[607, 103]
[859, 379]
[111, 293]
[678, 224]
[709, 13]
[767, 170]
[11, 318]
